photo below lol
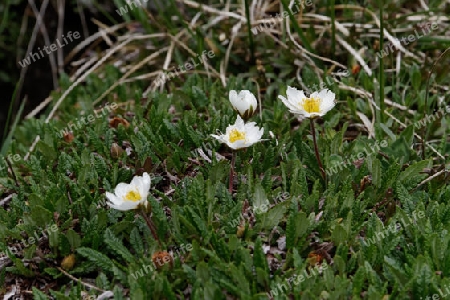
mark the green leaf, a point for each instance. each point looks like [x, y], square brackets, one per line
[296, 226]
[259, 258]
[416, 77]
[388, 131]
[73, 238]
[399, 274]
[38, 295]
[115, 244]
[136, 241]
[339, 234]
[200, 224]
[41, 216]
[375, 168]
[273, 217]
[260, 197]
[47, 151]
[413, 170]
[96, 257]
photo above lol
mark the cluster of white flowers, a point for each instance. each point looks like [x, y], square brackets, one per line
[237, 136]
[241, 134]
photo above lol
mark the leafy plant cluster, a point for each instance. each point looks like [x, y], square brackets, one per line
[64, 180]
[63, 183]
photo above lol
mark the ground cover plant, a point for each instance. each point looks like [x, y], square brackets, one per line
[139, 179]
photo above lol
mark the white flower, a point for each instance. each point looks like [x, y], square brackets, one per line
[244, 102]
[130, 196]
[241, 135]
[317, 105]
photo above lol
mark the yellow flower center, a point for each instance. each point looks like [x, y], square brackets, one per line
[236, 135]
[133, 196]
[311, 105]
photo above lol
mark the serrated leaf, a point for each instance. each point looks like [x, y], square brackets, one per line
[116, 245]
[260, 197]
[296, 226]
[413, 171]
[339, 234]
[259, 258]
[96, 257]
[399, 274]
[136, 241]
[273, 217]
[376, 172]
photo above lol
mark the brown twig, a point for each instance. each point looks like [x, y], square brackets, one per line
[80, 281]
[12, 171]
[151, 226]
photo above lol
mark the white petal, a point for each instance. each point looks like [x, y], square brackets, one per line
[127, 205]
[251, 129]
[242, 101]
[142, 183]
[239, 124]
[122, 190]
[141, 189]
[221, 138]
[250, 99]
[232, 95]
[303, 113]
[256, 135]
[146, 178]
[242, 104]
[294, 95]
[314, 95]
[253, 101]
[146, 181]
[237, 102]
[137, 180]
[237, 145]
[113, 198]
[259, 133]
[250, 125]
[288, 104]
[118, 207]
[228, 131]
[327, 102]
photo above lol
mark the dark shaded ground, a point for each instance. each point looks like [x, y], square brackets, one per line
[37, 83]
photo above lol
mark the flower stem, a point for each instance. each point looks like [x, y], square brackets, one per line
[233, 162]
[316, 149]
[151, 226]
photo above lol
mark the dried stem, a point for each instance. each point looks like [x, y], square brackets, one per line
[151, 226]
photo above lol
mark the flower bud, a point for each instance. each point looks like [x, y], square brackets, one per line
[68, 262]
[116, 150]
[160, 258]
[244, 102]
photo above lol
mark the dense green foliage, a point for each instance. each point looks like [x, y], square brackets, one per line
[378, 229]
[64, 184]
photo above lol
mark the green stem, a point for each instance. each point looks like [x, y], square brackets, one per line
[316, 149]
